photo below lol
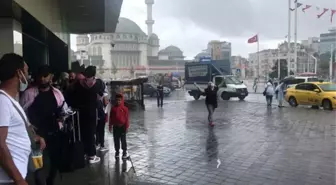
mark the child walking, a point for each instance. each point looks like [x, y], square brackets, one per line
[118, 125]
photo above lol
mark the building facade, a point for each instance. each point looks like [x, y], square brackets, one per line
[239, 66]
[129, 52]
[267, 58]
[219, 50]
[327, 41]
[311, 44]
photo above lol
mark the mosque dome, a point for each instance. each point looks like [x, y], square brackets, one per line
[172, 51]
[153, 36]
[128, 26]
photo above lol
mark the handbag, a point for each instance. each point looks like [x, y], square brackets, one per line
[31, 166]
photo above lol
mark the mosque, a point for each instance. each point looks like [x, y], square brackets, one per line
[129, 51]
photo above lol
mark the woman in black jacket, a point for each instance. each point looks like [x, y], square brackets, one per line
[211, 101]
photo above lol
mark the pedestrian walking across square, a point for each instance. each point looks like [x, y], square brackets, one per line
[118, 125]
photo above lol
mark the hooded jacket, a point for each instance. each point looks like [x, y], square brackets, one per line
[269, 90]
[119, 115]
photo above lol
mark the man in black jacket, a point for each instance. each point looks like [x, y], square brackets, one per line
[160, 95]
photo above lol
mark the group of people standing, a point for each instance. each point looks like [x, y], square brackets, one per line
[35, 113]
[278, 91]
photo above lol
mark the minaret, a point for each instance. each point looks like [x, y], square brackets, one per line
[150, 20]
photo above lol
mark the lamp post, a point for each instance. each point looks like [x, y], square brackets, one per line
[331, 62]
[279, 62]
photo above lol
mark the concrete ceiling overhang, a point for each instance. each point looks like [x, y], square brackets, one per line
[91, 16]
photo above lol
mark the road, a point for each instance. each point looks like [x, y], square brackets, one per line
[251, 144]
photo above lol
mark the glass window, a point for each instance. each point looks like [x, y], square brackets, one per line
[90, 51]
[313, 80]
[295, 81]
[328, 87]
[99, 50]
[301, 87]
[218, 81]
[94, 51]
[311, 87]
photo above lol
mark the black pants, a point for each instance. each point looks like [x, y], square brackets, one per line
[269, 99]
[88, 123]
[100, 134]
[51, 156]
[160, 99]
[119, 135]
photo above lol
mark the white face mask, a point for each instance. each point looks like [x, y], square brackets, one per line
[23, 85]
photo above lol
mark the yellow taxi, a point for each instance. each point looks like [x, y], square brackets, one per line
[315, 94]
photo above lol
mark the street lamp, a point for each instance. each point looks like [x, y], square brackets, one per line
[331, 62]
[315, 63]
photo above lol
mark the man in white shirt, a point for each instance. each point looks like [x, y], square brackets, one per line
[15, 144]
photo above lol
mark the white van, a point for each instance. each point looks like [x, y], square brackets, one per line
[301, 79]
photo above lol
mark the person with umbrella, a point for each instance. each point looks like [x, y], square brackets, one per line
[280, 90]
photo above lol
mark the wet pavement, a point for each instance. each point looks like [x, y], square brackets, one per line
[250, 144]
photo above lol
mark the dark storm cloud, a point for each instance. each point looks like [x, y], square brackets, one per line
[236, 18]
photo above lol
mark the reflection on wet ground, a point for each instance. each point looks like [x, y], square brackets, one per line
[250, 144]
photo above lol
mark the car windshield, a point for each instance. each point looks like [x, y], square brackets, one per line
[313, 80]
[328, 87]
[232, 80]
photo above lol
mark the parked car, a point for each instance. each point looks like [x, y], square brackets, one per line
[151, 90]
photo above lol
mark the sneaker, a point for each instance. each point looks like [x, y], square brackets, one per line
[103, 149]
[94, 160]
[125, 155]
[117, 155]
[97, 147]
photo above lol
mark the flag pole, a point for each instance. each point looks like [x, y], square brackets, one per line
[289, 38]
[295, 37]
[258, 58]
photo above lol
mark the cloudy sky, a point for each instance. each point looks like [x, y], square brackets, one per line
[190, 24]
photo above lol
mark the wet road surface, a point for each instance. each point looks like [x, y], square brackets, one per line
[250, 144]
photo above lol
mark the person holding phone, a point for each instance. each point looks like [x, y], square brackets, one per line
[211, 100]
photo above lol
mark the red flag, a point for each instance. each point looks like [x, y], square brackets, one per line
[324, 11]
[253, 39]
[332, 15]
[306, 8]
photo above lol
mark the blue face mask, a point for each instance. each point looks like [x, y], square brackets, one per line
[23, 85]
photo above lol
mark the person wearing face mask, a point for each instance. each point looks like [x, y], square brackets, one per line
[16, 136]
[44, 105]
[85, 97]
[211, 101]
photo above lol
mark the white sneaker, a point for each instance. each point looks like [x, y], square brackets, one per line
[94, 160]
[125, 155]
[98, 147]
[103, 149]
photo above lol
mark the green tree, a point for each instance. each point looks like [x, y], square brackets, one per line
[283, 69]
[114, 70]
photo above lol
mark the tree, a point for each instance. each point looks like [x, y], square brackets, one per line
[132, 71]
[114, 70]
[283, 69]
